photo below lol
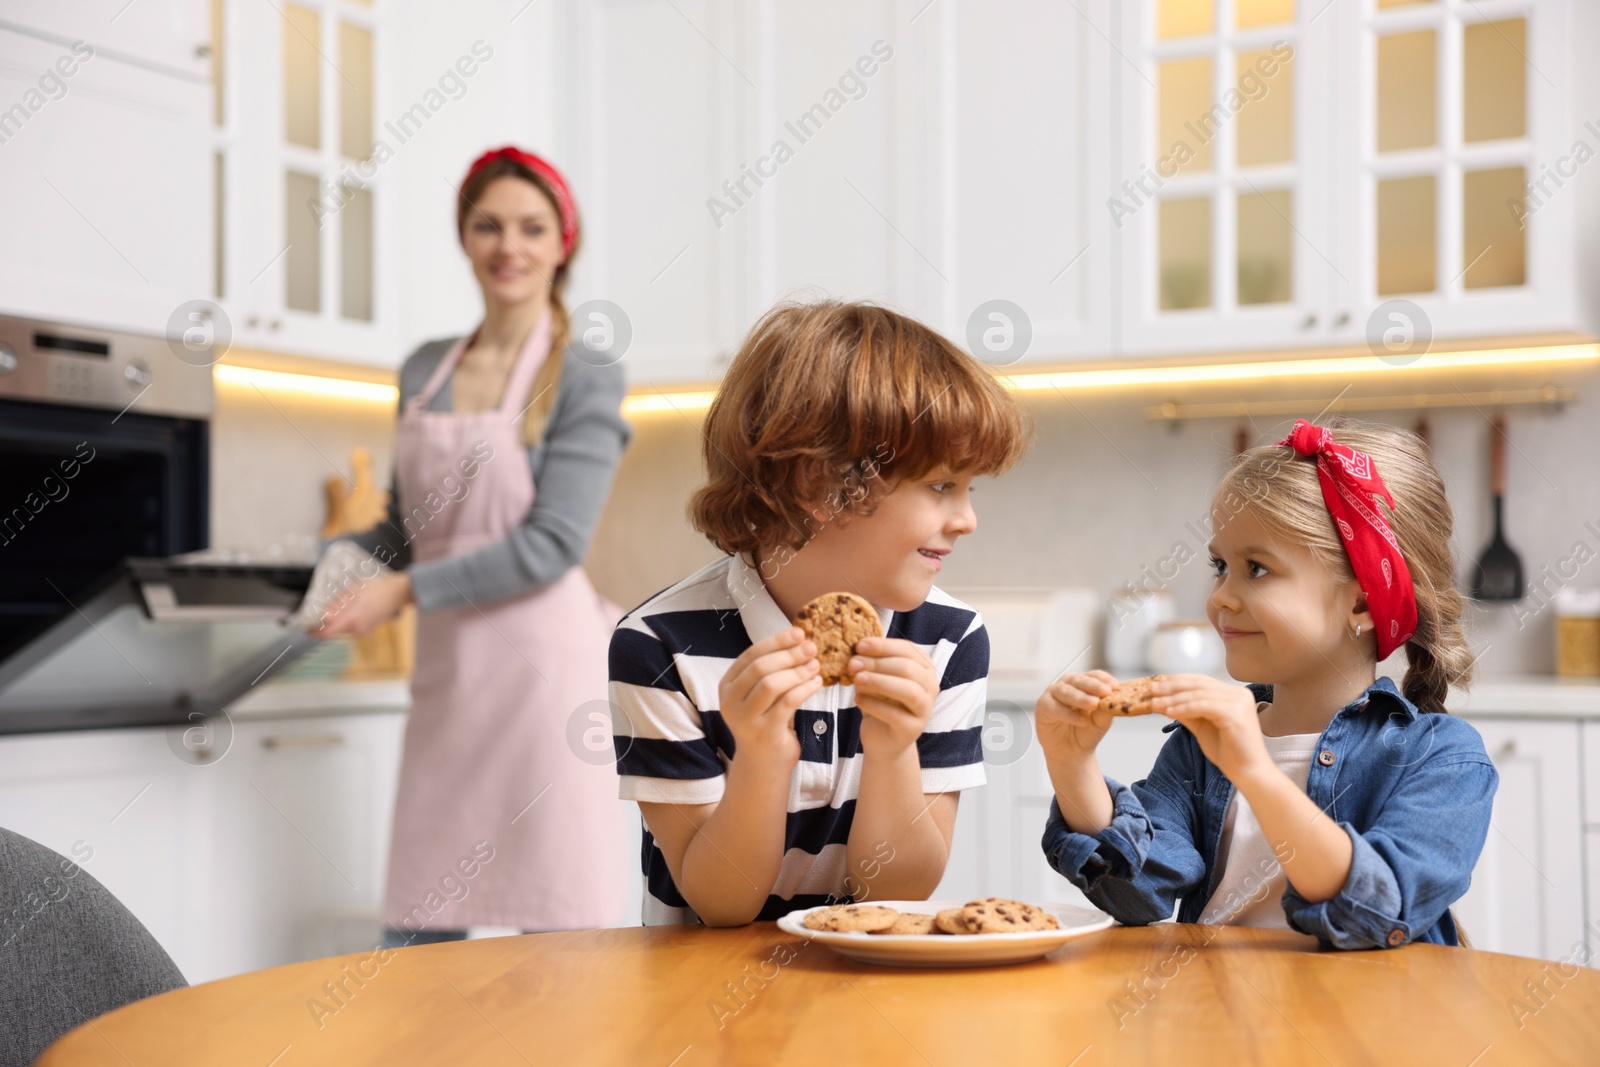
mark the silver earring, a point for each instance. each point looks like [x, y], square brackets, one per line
[1358, 631]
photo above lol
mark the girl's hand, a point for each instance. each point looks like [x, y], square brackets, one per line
[374, 601]
[760, 692]
[1222, 717]
[1066, 716]
[895, 688]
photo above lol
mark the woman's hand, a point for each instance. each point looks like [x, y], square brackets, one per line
[1222, 717]
[760, 692]
[895, 688]
[1066, 717]
[374, 601]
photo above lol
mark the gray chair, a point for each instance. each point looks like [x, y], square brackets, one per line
[69, 950]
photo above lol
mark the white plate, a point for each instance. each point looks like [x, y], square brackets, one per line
[945, 950]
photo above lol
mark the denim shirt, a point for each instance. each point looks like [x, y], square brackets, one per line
[1413, 791]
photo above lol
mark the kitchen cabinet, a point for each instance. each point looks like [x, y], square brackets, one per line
[105, 174]
[271, 850]
[875, 151]
[1020, 130]
[301, 242]
[298, 839]
[128, 811]
[659, 93]
[1287, 170]
[172, 35]
[1527, 894]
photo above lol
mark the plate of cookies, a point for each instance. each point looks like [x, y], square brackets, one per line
[944, 933]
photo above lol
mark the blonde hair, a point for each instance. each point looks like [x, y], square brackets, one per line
[1282, 490]
[832, 402]
[546, 383]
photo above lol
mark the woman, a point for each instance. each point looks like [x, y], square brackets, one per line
[503, 460]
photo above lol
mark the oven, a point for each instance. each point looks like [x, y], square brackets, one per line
[110, 615]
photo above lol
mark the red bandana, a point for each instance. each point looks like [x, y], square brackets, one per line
[566, 207]
[1350, 488]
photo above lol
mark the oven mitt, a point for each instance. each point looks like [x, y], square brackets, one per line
[343, 567]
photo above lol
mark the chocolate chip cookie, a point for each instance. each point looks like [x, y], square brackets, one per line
[1130, 698]
[836, 621]
[997, 915]
[910, 922]
[844, 918]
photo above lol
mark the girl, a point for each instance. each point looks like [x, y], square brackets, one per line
[1321, 800]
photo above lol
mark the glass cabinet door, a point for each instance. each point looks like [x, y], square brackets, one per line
[1447, 149]
[328, 171]
[300, 175]
[1216, 202]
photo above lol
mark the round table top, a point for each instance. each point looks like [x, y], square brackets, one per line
[684, 995]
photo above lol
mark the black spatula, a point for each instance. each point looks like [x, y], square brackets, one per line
[1498, 575]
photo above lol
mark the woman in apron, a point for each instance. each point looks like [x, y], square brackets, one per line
[505, 452]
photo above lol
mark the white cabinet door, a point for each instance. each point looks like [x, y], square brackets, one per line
[1451, 108]
[660, 93]
[1527, 893]
[299, 839]
[1015, 115]
[308, 265]
[1219, 191]
[170, 34]
[836, 220]
[131, 813]
[274, 852]
[105, 174]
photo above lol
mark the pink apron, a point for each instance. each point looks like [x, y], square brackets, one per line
[500, 820]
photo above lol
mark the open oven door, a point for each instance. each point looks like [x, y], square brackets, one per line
[160, 641]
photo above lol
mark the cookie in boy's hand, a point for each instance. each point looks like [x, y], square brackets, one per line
[835, 622]
[843, 918]
[1130, 698]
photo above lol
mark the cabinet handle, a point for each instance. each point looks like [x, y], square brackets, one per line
[1341, 318]
[288, 741]
[1310, 321]
[253, 321]
[1506, 750]
[274, 324]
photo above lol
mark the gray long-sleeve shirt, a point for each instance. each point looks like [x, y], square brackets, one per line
[572, 466]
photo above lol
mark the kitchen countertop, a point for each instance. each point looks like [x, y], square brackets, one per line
[300, 699]
[1495, 696]
[1508, 696]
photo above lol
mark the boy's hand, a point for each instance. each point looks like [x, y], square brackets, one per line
[895, 688]
[1065, 716]
[1222, 717]
[762, 689]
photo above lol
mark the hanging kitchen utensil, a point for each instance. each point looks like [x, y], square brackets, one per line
[1498, 574]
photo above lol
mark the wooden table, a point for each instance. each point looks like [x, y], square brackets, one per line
[681, 996]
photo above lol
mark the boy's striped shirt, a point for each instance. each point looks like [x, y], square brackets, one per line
[667, 658]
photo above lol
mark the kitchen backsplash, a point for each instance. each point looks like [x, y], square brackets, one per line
[1104, 496]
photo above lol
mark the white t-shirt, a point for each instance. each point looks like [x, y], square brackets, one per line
[1252, 880]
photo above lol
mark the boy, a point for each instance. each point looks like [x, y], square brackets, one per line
[840, 451]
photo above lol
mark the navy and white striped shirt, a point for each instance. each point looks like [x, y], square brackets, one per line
[668, 657]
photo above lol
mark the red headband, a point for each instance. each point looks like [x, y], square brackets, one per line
[566, 207]
[1350, 488]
